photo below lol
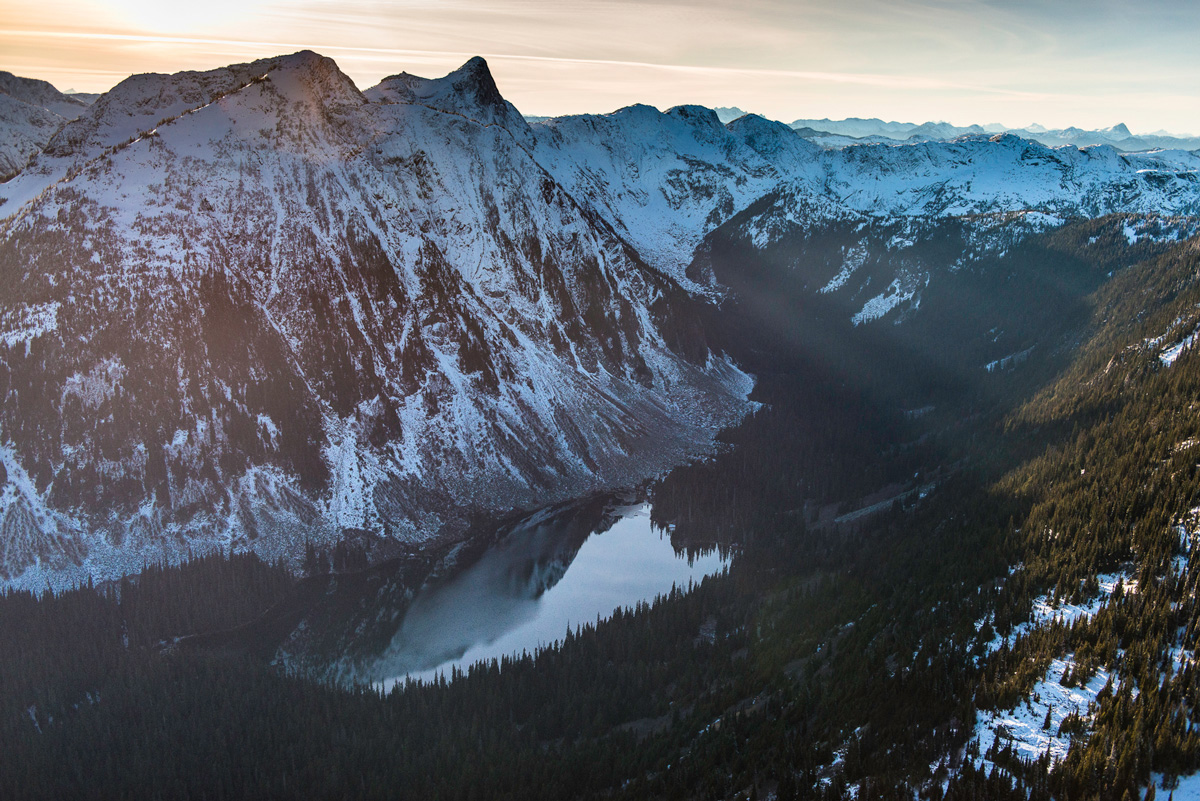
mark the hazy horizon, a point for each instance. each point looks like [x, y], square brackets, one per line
[1070, 63]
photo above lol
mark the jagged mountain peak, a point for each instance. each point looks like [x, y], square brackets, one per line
[474, 78]
[303, 60]
[318, 71]
[1005, 139]
[313, 80]
[637, 113]
[661, 179]
[290, 102]
[469, 91]
[757, 122]
[728, 114]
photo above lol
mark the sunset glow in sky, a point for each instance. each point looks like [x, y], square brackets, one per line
[1070, 62]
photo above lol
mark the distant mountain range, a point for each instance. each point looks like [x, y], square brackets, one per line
[858, 131]
[854, 130]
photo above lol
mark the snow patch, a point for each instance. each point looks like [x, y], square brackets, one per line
[23, 324]
[854, 259]
[1012, 360]
[267, 426]
[1153, 228]
[96, 385]
[1025, 727]
[1169, 355]
[1041, 221]
[902, 290]
[1046, 610]
[348, 495]
[1183, 788]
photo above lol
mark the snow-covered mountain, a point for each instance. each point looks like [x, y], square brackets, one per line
[255, 307]
[664, 179]
[888, 207]
[31, 112]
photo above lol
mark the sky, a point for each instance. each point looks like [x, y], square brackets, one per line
[1054, 62]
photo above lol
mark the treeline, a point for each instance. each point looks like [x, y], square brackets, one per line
[90, 711]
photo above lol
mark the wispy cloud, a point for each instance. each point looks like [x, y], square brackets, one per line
[864, 79]
[1070, 62]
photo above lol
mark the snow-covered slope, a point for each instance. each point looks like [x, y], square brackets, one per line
[252, 307]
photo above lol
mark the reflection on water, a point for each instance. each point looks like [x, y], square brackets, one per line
[554, 570]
